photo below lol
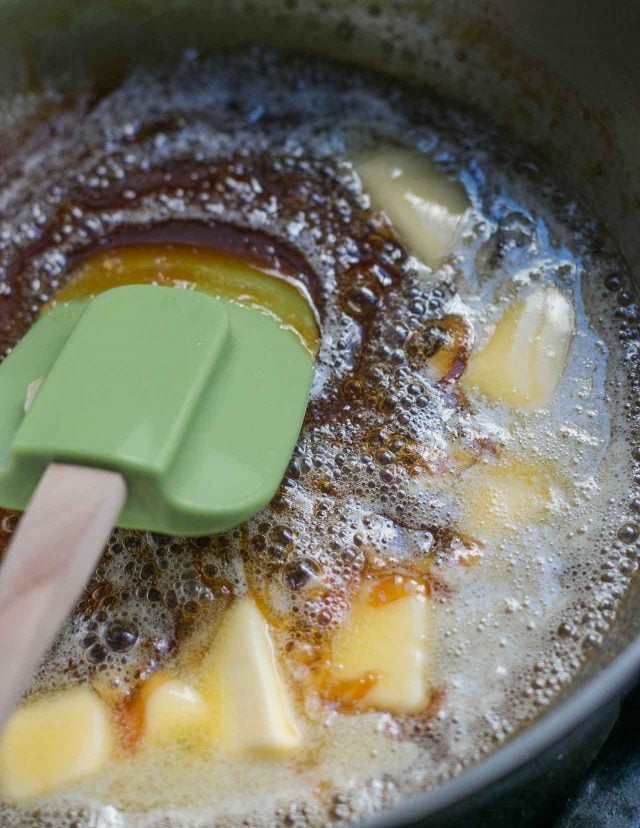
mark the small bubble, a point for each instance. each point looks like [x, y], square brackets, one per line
[324, 617]
[384, 457]
[613, 282]
[360, 301]
[628, 532]
[119, 637]
[210, 571]
[190, 589]
[96, 654]
[258, 543]
[566, 630]
[281, 535]
[300, 573]
[147, 572]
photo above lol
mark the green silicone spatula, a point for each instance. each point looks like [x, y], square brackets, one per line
[158, 408]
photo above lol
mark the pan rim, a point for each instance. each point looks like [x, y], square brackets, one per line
[543, 733]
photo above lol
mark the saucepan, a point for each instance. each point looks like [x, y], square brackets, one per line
[561, 77]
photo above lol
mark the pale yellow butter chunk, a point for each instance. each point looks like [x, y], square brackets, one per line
[174, 712]
[54, 743]
[426, 208]
[525, 357]
[242, 682]
[385, 647]
[503, 499]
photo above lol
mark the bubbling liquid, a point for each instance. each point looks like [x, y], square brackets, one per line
[254, 155]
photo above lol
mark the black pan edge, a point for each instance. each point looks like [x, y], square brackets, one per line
[544, 733]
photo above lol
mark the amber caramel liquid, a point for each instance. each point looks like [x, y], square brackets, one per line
[211, 271]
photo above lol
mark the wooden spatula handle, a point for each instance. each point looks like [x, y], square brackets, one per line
[52, 554]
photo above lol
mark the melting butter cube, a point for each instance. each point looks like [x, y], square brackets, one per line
[501, 499]
[174, 712]
[246, 692]
[54, 742]
[381, 651]
[426, 208]
[524, 360]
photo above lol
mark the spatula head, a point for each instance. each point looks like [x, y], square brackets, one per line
[197, 401]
